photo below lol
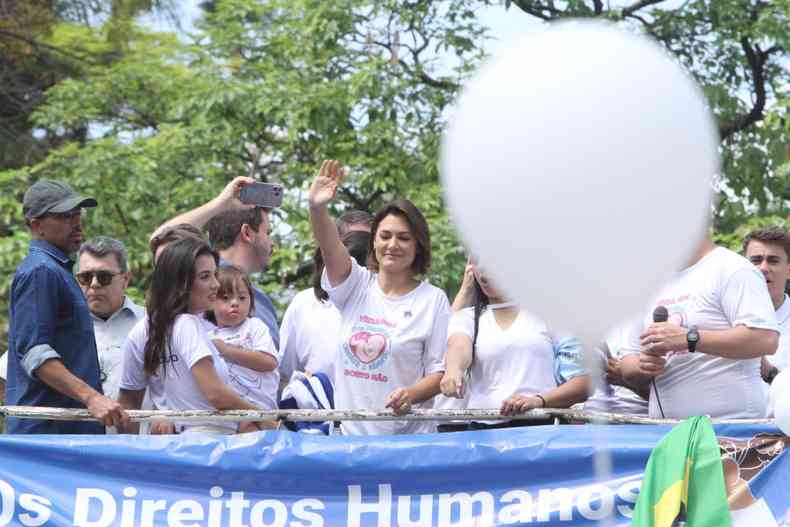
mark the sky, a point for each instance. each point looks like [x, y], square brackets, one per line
[504, 24]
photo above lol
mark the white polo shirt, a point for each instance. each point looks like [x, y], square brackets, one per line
[110, 336]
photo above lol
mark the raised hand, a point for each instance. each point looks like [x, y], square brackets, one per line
[228, 199]
[325, 184]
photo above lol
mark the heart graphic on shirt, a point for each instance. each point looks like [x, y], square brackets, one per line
[367, 347]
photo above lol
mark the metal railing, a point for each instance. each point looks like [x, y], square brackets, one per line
[580, 416]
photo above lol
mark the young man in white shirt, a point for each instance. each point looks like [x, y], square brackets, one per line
[769, 250]
[705, 359]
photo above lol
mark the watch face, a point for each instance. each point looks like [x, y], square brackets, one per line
[692, 337]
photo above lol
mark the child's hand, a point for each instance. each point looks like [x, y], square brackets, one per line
[220, 345]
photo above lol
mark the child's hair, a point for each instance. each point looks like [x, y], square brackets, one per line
[228, 277]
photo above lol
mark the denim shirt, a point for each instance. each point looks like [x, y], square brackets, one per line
[264, 310]
[49, 319]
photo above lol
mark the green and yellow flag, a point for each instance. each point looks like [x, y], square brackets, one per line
[684, 480]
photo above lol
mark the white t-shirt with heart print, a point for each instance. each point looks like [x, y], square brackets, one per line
[385, 343]
[721, 291]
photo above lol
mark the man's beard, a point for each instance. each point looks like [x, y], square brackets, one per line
[263, 256]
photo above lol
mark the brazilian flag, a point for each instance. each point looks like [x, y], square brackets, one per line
[684, 480]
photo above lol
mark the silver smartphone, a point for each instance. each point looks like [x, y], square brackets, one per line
[267, 195]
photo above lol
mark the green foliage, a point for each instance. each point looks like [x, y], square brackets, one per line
[153, 126]
[268, 89]
[733, 240]
[737, 51]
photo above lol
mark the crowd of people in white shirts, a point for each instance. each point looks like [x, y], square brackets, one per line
[378, 336]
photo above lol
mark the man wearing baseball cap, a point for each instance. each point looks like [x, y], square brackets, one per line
[52, 350]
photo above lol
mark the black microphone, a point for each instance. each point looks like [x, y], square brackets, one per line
[660, 314]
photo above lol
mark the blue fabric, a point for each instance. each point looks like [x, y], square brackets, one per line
[49, 309]
[568, 359]
[264, 310]
[301, 393]
[326, 386]
[541, 476]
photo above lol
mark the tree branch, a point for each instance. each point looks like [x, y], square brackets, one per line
[122, 217]
[756, 60]
[531, 10]
[419, 73]
[598, 6]
[37, 44]
[636, 6]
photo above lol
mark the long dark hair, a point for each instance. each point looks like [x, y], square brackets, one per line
[480, 304]
[168, 297]
[357, 244]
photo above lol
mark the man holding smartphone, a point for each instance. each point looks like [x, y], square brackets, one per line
[242, 235]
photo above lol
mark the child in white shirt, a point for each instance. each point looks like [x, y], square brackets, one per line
[244, 342]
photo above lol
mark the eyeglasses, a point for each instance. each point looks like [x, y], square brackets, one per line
[103, 277]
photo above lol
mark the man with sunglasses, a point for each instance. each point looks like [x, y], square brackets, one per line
[52, 350]
[103, 276]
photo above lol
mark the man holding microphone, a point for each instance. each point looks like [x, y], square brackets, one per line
[705, 358]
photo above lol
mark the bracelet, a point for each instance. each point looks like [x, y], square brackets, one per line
[539, 396]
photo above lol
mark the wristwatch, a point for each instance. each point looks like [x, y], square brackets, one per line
[692, 338]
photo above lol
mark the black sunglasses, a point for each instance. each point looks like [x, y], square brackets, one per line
[103, 277]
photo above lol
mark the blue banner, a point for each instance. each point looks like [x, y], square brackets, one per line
[526, 476]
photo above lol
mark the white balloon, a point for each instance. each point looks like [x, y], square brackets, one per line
[578, 166]
[780, 389]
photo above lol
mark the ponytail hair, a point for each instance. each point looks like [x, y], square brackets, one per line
[480, 305]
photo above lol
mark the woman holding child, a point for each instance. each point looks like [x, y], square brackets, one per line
[178, 351]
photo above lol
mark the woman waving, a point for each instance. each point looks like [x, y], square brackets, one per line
[393, 323]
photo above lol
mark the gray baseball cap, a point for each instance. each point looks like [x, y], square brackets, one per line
[47, 195]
